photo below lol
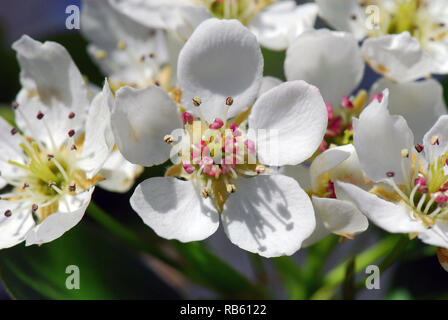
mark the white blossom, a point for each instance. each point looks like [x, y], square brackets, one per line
[220, 73]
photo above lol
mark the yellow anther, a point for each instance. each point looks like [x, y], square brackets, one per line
[404, 153]
[231, 188]
[434, 140]
[100, 54]
[204, 193]
[121, 45]
[168, 139]
[197, 101]
[260, 169]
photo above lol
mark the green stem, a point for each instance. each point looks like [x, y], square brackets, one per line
[117, 229]
[366, 258]
[396, 252]
[258, 267]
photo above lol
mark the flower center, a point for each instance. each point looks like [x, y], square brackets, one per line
[48, 173]
[214, 155]
[425, 190]
[340, 130]
[242, 10]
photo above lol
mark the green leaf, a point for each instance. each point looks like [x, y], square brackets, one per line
[292, 277]
[196, 262]
[273, 63]
[208, 270]
[399, 294]
[367, 257]
[107, 269]
[7, 114]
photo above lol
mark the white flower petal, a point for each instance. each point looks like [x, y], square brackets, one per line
[327, 59]
[350, 169]
[48, 69]
[339, 216]
[153, 13]
[105, 27]
[99, 139]
[10, 150]
[439, 130]
[318, 234]
[268, 83]
[398, 57]
[301, 173]
[436, 236]
[185, 19]
[338, 13]
[438, 8]
[391, 217]
[14, 228]
[281, 22]
[421, 103]
[438, 50]
[140, 120]
[61, 221]
[326, 161]
[290, 122]
[51, 84]
[221, 59]
[119, 174]
[379, 138]
[174, 209]
[268, 215]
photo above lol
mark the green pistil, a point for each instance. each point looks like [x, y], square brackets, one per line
[405, 17]
[242, 10]
[347, 138]
[43, 170]
[438, 177]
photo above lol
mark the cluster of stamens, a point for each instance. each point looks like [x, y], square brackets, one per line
[339, 129]
[242, 10]
[215, 154]
[49, 173]
[426, 190]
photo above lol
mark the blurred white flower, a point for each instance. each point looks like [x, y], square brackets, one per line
[220, 72]
[408, 39]
[411, 181]
[332, 61]
[275, 23]
[128, 52]
[52, 160]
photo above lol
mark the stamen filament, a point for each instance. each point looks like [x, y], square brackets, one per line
[428, 205]
[421, 202]
[60, 168]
